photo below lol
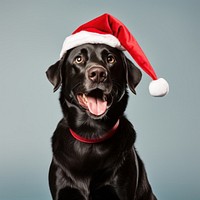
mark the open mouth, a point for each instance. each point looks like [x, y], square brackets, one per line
[96, 102]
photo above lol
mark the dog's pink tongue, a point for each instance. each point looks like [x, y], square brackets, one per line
[96, 106]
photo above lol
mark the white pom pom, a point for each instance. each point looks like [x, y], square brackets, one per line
[159, 88]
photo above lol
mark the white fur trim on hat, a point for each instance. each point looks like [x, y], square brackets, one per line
[84, 37]
[159, 87]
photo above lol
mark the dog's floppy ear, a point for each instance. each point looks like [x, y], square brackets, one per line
[133, 75]
[54, 73]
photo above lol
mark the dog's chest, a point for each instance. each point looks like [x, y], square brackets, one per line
[90, 159]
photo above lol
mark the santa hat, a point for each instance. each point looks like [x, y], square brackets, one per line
[106, 29]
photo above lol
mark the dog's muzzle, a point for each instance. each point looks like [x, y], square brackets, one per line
[96, 98]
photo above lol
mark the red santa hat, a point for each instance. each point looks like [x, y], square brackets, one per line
[106, 29]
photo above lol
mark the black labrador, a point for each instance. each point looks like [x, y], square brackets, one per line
[93, 145]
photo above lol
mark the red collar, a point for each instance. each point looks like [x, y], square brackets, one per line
[106, 136]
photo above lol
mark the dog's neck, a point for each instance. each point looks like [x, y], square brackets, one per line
[102, 138]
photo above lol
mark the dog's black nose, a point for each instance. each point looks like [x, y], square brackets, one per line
[97, 74]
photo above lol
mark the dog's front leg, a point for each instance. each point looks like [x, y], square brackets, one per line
[144, 191]
[59, 186]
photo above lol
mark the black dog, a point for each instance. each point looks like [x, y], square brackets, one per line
[93, 153]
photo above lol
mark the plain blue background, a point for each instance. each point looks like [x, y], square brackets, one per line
[31, 36]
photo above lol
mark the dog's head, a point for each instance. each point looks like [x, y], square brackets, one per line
[94, 78]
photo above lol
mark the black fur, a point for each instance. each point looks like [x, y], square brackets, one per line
[109, 170]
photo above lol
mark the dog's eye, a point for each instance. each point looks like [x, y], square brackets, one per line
[111, 59]
[79, 59]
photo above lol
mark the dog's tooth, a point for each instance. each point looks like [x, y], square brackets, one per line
[85, 98]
